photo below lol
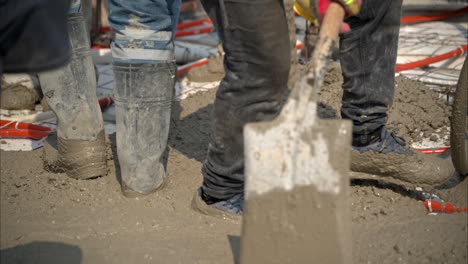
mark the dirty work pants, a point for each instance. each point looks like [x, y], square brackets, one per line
[255, 39]
[70, 91]
[144, 76]
[368, 56]
[257, 61]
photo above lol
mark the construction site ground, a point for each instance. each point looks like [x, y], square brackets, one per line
[50, 218]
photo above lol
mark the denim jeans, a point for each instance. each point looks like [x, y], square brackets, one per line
[257, 61]
[144, 30]
[255, 39]
[368, 56]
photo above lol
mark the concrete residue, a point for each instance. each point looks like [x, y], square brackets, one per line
[37, 205]
[211, 72]
[80, 159]
[303, 225]
[295, 150]
[417, 169]
[417, 112]
[19, 91]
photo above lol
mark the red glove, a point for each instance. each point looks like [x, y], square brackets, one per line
[314, 10]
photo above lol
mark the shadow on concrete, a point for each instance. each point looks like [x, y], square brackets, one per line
[234, 242]
[42, 252]
[190, 135]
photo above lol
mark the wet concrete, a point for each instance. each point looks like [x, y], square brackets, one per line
[416, 113]
[211, 72]
[303, 225]
[19, 91]
[409, 170]
[78, 158]
[387, 226]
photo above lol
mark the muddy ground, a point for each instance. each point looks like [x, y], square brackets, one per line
[49, 218]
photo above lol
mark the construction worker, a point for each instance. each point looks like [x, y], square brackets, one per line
[255, 39]
[257, 61]
[144, 68]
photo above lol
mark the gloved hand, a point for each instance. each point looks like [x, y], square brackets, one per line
[314, 10]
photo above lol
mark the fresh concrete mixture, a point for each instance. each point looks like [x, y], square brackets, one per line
[19, 91]
[416, 113]
[50, 218]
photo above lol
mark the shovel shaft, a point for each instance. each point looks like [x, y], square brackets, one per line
[328, 38]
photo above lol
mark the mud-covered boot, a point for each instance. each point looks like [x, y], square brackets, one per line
[71, 93]
[390, 157]
[143, 98]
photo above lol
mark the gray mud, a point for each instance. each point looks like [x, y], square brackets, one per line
[211, 72]
[78, 158]
[388, 225]
[288, 227]
[416, 113]
[19, 91]
[411, 171]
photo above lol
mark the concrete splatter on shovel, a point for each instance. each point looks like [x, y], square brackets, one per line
[297, 175]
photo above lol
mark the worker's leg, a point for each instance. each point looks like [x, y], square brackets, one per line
[368, 58]
[144, 69]
[257, 61]
[71, 93]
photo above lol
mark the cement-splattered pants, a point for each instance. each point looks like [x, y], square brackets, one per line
[144, 70]
[257, 62]
[368, 56]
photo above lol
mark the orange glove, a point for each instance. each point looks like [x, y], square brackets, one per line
[314, 10]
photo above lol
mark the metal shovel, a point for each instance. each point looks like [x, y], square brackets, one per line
[297, 174]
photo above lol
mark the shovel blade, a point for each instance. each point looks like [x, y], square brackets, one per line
[296, 190]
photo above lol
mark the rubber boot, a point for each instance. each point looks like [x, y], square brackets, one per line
[71, 94]
[143, 98]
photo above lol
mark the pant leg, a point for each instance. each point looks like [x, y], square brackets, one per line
[144, 30]
[70, 91]
[257, 61]
[144, 70]
[368, 58]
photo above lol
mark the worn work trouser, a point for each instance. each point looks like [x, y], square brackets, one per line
[368, 56]
[257, 61]
[255, 40]
[144, 70]
[70, 91]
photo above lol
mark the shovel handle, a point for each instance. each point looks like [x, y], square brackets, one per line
[328, 39]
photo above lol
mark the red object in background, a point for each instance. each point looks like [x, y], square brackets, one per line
[4, 124]
[438, 207]
[434, 150]
[427, 18]
[22, 133]
[184, 70]
[193, 23]
[425, 62]
[105, 102]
